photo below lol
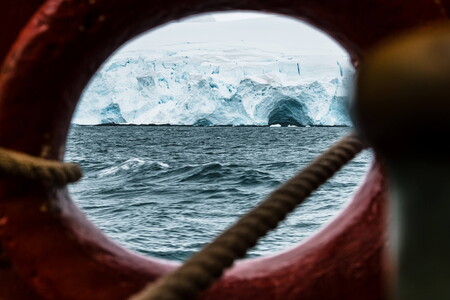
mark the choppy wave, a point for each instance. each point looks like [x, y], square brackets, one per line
[166, 191]
[132, 165]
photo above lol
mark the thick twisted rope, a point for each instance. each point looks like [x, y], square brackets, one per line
[205, 267]
[50, 173]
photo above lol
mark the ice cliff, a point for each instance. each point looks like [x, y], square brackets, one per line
[229, 86]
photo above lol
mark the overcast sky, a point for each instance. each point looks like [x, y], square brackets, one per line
[264, 31]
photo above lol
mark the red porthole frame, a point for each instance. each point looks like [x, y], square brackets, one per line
[54, 252]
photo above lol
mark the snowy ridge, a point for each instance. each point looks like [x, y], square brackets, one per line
[230, 86]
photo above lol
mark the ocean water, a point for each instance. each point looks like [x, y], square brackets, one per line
[166, 191]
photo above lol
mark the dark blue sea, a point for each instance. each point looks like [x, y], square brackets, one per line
[166, 191]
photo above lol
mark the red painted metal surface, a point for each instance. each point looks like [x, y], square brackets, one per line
[13, 16]
[53, 252]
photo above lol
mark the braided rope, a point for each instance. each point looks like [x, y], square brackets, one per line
[50, 173]
[206, 266]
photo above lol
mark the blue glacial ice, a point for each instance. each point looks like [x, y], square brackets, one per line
[194, 86]
[111, 114]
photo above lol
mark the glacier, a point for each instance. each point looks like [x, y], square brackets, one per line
[191, 84]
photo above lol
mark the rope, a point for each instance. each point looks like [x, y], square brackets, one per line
[50, 173]
[206, 266]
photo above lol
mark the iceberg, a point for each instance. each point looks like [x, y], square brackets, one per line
[188, 84]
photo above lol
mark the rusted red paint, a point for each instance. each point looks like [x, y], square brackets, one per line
[58, 254]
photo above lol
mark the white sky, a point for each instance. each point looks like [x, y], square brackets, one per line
[240, 29]
[224, 17]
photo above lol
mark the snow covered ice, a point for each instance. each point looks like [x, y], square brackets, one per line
[195, 83]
